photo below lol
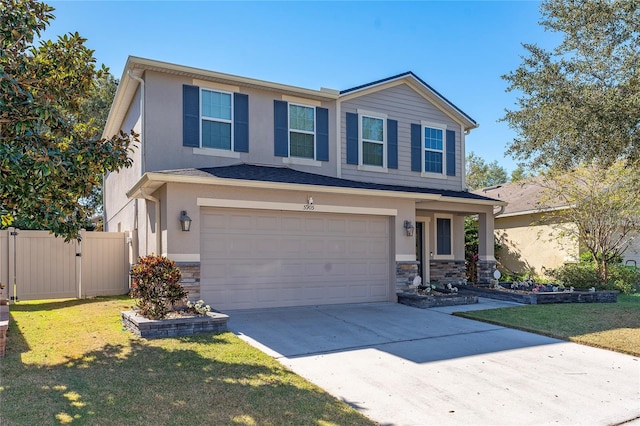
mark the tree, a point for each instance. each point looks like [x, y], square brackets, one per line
[602, 203]
[50, 160]
[580, 102]
[94, 111]
[481, 174]
[520, 173]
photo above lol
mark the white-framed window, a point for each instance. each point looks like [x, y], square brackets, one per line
[302, 131]
[443, 236]
[433, 148]
[373, 139]
[216, 119]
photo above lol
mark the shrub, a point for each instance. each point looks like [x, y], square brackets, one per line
[156, 284]
[585, 275]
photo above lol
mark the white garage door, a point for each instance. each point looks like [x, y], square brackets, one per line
[260, 259]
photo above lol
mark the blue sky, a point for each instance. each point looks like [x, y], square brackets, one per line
[460, 48]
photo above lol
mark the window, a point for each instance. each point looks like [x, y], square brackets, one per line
[217, 119]
[433, 149]
[302, 131]
[443, 236]
[372, 141]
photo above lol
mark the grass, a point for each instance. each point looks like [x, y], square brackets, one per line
[614, 326]
[71, 362]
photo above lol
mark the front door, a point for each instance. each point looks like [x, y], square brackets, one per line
[420, 249]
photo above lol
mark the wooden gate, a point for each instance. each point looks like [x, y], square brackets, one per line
[37, 265]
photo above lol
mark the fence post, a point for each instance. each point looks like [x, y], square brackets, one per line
[78, 250]
[11, 249]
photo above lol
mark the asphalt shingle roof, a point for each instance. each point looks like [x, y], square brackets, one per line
[523, 196]
[286, 175]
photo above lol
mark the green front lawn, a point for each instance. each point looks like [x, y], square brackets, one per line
[614, 326]
[72, 362]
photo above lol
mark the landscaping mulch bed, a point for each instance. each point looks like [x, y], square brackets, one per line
[541, 297]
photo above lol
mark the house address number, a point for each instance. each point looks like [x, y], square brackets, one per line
[308, 207]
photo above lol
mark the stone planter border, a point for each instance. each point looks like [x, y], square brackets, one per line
[430, 301]
[4, 325]
[213, 322]
[543, 297]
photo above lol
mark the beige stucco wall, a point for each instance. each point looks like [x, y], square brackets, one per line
[633, 252]
[186, 245]
[163, 115]
[118, 209]
[531, 246]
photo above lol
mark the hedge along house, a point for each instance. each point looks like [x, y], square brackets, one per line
[296, 196]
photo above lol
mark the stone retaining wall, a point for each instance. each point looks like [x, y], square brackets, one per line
[429, 301]
[4, 326]
[543, 297]
[213, 322]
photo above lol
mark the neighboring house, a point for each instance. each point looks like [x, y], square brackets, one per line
[531, 239]
[296, 196]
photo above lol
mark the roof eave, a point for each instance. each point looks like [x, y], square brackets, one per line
[151, 181]
[127, 87]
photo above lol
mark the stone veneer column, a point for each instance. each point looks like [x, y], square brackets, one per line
[190, 278]
[406, 271]
[485, 270]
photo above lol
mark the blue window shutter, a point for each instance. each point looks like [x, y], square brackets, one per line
[322, 134]
[240, 122]
[352, 138]
[190, 115]
[416, 151]
[280, 129]
[392, 144]
[451, 153]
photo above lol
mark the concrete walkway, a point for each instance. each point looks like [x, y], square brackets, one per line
[406, 366]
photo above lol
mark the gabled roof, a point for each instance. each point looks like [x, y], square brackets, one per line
[420, 85]
[135, 68]
[523, 197]
[251, 175]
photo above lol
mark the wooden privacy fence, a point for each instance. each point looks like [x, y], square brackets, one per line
[37, 265]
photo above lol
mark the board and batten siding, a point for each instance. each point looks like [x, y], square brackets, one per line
[405, 105]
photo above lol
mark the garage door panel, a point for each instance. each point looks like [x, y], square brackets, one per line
[269, 259]
[378, 248]
[336, 226]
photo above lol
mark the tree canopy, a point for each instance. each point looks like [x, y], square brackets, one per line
[51, 155]
[481, 174]
[580, 103]
[603, 204]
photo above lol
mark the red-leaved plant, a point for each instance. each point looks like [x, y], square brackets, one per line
[156, 285]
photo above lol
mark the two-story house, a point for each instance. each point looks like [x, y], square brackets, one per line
[294, 196]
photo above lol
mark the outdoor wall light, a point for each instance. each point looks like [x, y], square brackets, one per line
[185, 221]
[408, 227]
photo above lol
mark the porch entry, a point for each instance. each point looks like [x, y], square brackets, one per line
[422, 247]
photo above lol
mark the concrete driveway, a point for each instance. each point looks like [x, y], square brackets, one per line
[406, 366]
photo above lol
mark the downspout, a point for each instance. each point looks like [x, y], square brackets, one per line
[155, 201]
